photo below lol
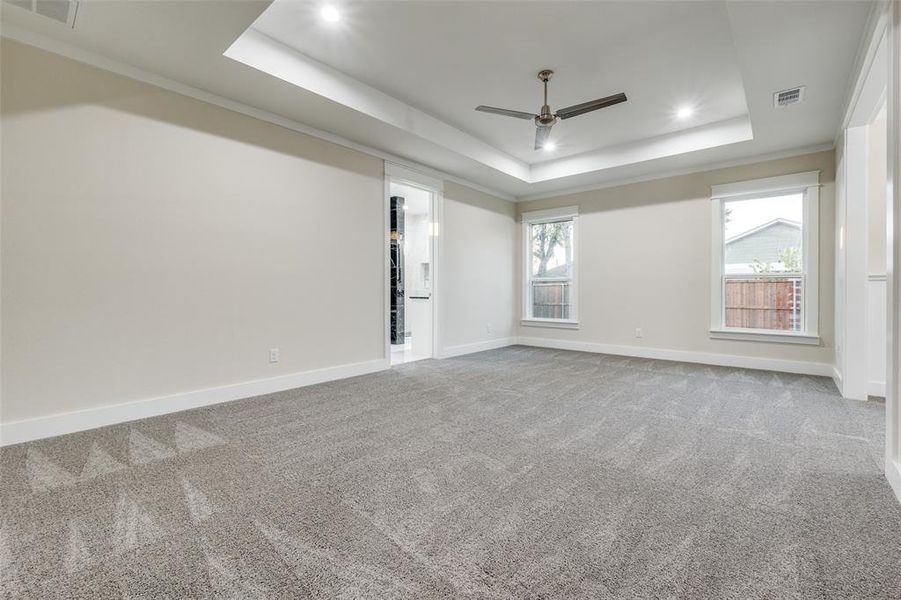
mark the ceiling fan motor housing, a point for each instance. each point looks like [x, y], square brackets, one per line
[545, 119]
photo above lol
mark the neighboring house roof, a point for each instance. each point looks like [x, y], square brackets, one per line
[766, 225]
[764, 243]
[558, 271]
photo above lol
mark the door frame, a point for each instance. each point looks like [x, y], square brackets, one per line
[893, 267]
[884, 34]
[400, 174]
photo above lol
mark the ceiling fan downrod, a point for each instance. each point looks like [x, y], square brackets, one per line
[546, 118]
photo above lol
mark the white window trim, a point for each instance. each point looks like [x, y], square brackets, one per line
[806, 183]
[548, 216]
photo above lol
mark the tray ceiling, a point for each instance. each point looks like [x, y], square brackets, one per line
[401, 79]
[445, 58]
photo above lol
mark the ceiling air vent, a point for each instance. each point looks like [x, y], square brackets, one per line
[62, 11]
[786, 97]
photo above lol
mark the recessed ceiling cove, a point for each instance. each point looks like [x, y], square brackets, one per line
[423, 67]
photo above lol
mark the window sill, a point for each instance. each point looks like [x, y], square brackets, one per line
[556, 323]
[756, 335]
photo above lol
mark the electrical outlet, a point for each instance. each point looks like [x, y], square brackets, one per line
[488, 329]
[273, 355]
[638, 333]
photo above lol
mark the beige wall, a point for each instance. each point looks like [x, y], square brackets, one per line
[645, 262]
[478, 289]
[153, 244]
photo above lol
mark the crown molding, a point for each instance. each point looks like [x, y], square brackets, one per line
[100, 61]
[679, 172]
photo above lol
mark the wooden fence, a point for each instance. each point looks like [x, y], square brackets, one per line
[771, 303]
[764, 303]
[551, 300]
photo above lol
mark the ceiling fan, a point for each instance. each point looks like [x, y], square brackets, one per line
[546, 119]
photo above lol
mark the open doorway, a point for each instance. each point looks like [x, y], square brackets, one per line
[411, 276]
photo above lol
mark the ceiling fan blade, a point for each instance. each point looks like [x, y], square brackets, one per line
[585, 107]
[541, 136]
[518, 114]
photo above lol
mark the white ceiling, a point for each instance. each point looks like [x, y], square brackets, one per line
[402, 78]
[416, 53]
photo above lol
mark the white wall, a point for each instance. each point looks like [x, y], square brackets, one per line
[839, 266]
[876, 346]
[852, 283]
[644, 255]
[418, 318]
[877, 161]
[153, 245]
[417, 246]
[477, 285]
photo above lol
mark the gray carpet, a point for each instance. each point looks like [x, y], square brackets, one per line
[516, 473]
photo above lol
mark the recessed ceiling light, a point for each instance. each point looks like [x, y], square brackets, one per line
[685, 112]
[405, 207]
[549, 146]
[330, 13]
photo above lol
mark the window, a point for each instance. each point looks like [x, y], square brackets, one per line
[549, 292]
[764, 276]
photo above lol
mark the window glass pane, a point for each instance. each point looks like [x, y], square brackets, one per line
[763, 263]
[763, 235]
[552, 249]
[764, 302]
[552, 300]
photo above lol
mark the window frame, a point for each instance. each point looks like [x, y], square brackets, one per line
[808, 185]
[553, 215]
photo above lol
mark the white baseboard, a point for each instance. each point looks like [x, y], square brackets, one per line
[876, 388]
[708, 358]
[893, 474]
[26, 430]
[462, 349]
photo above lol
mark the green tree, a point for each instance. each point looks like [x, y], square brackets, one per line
[791, 259]
[758, 266]
[545, 239]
